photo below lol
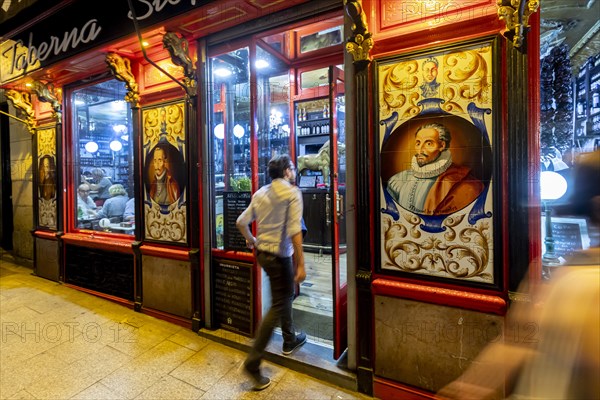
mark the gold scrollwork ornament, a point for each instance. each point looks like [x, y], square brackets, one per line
[121, 69]
[46, 93]
[361, 43]
[22, 102]
[516, 15]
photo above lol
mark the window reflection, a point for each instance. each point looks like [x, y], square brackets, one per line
[230, 122]
[103, 157]
[273, 110]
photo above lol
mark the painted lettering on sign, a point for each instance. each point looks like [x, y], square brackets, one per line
[23, 58]
[154, 6]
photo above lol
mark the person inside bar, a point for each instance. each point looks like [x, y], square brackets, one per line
[115, 206]
[100, 186]
[86, 208]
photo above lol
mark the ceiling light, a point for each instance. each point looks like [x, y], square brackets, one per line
[91, 147]
[220, 131]
[261, 64]
[238, 131]
[115, 145]
[222, 72]
[119, 128]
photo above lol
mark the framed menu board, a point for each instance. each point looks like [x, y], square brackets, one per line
[232, 282]
[234, 203]
[569, 234]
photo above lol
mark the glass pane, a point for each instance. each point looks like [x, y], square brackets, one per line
[273, 111]
[340, 110]
[314, 78]
[320, 40]
[103, 158]
[230, 127]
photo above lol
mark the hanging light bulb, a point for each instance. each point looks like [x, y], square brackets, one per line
[238, 131]
[115, 145]
[220, 131]
[91, 146]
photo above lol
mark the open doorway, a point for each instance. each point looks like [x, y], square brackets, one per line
[6, 206]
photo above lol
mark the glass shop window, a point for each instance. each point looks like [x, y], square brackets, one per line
[103, 158]
[230, 127]
[272, 110]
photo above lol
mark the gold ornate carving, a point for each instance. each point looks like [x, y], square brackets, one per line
[46, 142]
[167, 121]
[361, 43]
[463, 253]
[465, 77]
[168, 227]
[22, 102]
[121, 69]
[178, 48]
[46, 147]
[515, 14]
[45, 93]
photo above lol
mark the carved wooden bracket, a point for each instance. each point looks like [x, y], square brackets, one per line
[121, 69]
[178, 48]
[45, 93]
[361, 41]
[516, 14]
[22, 102]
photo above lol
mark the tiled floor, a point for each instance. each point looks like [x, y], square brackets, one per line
[61, 343]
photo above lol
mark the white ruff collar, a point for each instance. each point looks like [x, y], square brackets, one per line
[432, 169]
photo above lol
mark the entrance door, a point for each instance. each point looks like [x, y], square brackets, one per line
[335, 210]
[6, 206]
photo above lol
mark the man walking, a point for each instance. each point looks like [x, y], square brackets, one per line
[277, 210]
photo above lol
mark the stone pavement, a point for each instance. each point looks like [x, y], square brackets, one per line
[62, 343]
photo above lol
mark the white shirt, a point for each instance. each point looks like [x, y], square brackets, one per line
[277, 209]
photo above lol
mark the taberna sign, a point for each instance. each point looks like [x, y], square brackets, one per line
[78, 27]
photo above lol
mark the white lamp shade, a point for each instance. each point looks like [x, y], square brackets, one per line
[91, 147]
[220, 131]
[115, 145]
[553, 185]
[238, 131]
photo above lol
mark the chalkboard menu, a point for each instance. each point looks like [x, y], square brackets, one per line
[569, 234]
[233, 205]
[232, 282]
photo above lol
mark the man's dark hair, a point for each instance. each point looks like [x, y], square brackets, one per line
[443, 132]
[278, 164]
[161, 148]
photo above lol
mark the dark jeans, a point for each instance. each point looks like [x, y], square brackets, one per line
[281, 275]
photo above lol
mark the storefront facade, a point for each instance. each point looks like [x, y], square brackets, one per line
[152, 125]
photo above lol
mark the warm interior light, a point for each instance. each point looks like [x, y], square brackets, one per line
[553, 185]
[238, 131]
[91, 147]
[115, 145]
[145, 44]
[220, 131]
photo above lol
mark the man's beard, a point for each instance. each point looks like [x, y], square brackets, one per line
[423, 160]
[433, 168]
